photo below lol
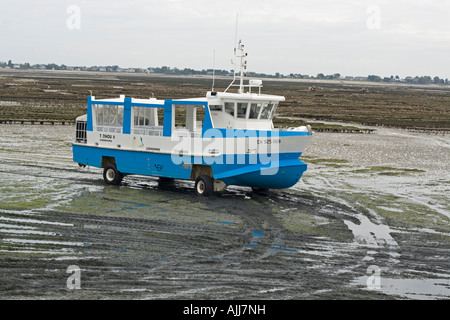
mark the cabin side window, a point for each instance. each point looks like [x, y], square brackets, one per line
[229, 108]
[215, 107]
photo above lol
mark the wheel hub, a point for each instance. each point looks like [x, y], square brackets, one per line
[200, 186]
[110, 174]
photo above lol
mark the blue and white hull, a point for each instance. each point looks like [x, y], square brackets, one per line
[219, 140]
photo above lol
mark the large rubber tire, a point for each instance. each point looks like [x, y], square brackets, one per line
[204, 186]
[111, 175]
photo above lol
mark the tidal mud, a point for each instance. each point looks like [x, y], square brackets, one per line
[370, 219]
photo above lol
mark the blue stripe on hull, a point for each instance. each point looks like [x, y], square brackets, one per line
[132, 162]
[267, 171]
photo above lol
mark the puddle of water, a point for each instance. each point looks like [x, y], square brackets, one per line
[27, 232]
[371, 234]
[258, 233]
[420, 289]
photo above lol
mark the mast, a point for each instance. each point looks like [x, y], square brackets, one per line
[239, 56]
[243, 66]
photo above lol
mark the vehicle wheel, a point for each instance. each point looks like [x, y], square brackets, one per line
[204, 186]
[111, 175]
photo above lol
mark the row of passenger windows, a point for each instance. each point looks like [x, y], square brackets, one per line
[112, 116]
[256, 110]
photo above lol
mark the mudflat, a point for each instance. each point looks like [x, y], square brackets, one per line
[370, 218]
[61, 96]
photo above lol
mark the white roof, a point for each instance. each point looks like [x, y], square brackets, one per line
[134, 100]
[191, 99]
[244, 96]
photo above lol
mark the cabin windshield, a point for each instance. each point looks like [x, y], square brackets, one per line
[247, 110]
[266, 111]
[242, 109]
[254, 110]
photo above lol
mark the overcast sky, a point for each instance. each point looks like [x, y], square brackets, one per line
[350, 37]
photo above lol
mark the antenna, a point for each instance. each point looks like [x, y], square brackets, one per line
[235, 34]
[234, 61]
[213, 75]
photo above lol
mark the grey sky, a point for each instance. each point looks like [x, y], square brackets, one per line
[405, 38]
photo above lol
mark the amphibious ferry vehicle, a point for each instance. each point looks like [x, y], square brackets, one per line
[225, 138]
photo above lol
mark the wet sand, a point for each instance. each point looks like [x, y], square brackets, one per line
[367, 200]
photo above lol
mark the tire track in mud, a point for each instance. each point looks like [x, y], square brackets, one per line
[177, 257]
[157, 241]
[254, 257]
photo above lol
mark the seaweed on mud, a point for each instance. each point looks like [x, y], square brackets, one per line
[388, 171]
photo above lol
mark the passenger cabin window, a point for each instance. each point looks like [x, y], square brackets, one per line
[241, 110]
[109, 115]
[229, 108]
[144, 116]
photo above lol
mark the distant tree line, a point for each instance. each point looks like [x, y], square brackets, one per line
[188, 71]
[416, 79]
